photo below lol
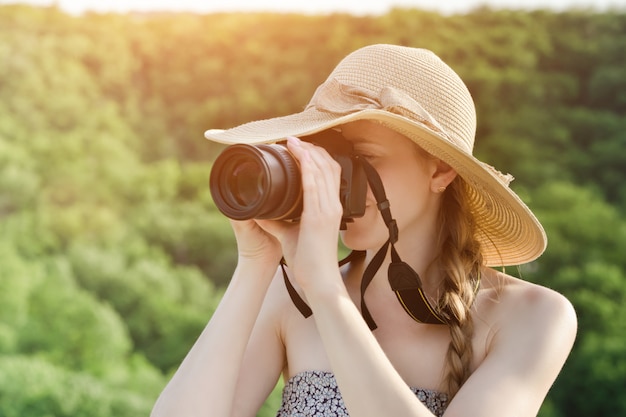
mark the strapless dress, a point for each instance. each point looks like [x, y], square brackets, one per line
[315, 393]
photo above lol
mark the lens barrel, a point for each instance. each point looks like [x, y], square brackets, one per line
[264, 181]
[257, 182]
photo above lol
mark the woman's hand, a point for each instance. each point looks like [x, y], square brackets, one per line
[310, 245]
[255, 244]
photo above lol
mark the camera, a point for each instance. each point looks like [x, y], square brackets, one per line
[264, 182]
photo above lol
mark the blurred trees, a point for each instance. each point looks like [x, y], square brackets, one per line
[112, 255]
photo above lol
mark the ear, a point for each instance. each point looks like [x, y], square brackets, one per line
[442, 175]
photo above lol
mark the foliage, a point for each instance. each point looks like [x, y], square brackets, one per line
[34, 387]
[584, 261]
[113, 254]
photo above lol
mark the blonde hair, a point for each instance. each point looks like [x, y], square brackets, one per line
[459, 261]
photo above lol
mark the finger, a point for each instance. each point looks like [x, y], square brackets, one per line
[242, 226]
[273, 227]
[300, 151]
[284, 232]
[327, 174]
[320, 175]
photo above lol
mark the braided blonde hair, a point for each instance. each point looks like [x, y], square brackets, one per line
[460, 261]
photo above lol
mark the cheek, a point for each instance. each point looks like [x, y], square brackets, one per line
[406, 190]
[408, 193]
[402, 183]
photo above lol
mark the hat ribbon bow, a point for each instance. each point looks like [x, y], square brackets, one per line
[341, 99]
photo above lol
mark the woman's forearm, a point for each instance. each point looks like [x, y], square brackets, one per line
[369, 384]
[206, 380]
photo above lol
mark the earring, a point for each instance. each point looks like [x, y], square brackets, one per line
[441, 189]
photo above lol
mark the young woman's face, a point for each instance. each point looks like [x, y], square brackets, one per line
[406, 174]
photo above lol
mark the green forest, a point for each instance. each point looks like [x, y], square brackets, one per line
[113, 256]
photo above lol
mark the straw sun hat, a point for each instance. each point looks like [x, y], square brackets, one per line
[416, 94]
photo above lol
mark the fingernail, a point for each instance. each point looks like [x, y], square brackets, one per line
[293, 140]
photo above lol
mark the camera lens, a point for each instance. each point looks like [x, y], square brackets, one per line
[261, 182]
[246, 183]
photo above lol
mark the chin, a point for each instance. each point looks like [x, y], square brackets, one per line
[363, 238]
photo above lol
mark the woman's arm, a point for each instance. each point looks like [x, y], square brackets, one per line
[535, 334]
[369, 384]
[537, 330]
[206, 381]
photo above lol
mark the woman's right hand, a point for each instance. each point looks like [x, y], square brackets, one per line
[255, 244]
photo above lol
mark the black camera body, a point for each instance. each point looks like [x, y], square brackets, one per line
[264, 181]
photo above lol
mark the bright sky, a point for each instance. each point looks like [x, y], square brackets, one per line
[358, 7]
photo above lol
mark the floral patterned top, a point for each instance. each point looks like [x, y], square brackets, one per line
[315, 393]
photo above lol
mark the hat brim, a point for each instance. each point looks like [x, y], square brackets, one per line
[509, 232]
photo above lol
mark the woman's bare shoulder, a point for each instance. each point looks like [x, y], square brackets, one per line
[523, 314]
[513, 298]
[529, 331]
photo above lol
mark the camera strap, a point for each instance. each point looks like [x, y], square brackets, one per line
[404, 281]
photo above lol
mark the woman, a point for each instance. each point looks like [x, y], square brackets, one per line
[478, 343]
